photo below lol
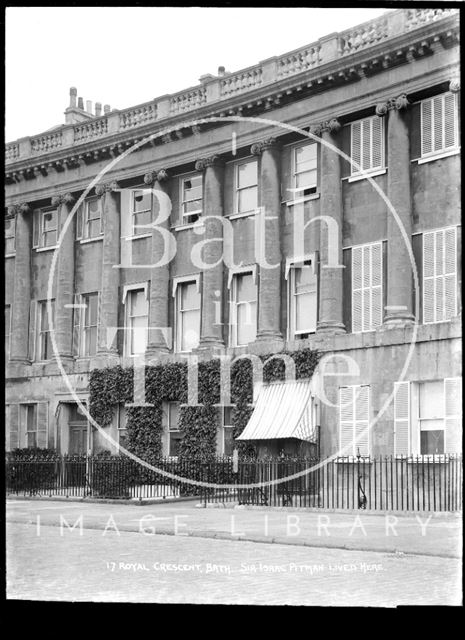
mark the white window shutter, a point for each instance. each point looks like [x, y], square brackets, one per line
[13, 426]
[377, 143]
[357, 285]
[426, 127]
[366, 280]
[126, 225]
[42, 424]
[453, 414]
[438, 115]
[77, 321]
[32, 330]
[36, 216]
[80, 221]
[346, 421]
[376, 285]
[402, 418]
[366, 144]
[450, 273]
[428, 277]
[356, 142]
[450, 121]
[362, 419]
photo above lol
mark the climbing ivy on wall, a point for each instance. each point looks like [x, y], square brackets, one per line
[168, 383]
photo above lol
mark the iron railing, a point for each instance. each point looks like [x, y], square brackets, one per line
[421, 483]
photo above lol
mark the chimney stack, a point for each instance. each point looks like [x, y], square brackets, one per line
[98, 109]
[221, 71]
[106, 108]
[72, 97]
[81, 103]
[89, 106]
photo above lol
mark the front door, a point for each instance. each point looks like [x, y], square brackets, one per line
[78, 438]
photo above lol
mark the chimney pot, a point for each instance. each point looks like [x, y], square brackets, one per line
[221, 71]
[72, 96]
[98, 109]
[81, 103]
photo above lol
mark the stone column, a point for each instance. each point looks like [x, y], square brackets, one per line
[109, 293]
[269, 291]
[22, 284]
[158, 343]
[330, 318]
[211, 329]
[399, 268]
[65, 278]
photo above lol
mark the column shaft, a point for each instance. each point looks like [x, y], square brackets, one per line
[65, 282]
[22, 287]
[331, 276]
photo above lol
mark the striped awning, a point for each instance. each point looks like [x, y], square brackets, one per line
[282, 410]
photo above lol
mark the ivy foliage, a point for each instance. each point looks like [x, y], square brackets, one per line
[168, 383]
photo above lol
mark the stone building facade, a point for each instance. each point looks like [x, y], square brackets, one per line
[354, 138]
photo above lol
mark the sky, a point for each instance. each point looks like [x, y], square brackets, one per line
[123, 56]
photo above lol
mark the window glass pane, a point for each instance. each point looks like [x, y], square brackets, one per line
[305, 279]
[190, 297]
[432, 442]
[139, 303]
[142, 200]
[190, 330]
[246, 289]
[139, 334]
[173, 410]
[306, 312]
[141, 223]
[228, 441]
[247, 199]
[305, 157]
[91, 341]
[246, 323]
[247, 175]
[227, 416]
[92, 309]
[50, 238]
[193, 206]
[50, 220]
[30, 418]
[175, 441]
[305, 179]
[93, 209]
[431, 400]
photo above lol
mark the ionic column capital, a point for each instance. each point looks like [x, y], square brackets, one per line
[62, 198]
[399, 103]
[259, 147]
[21, 207]
[454, 85]
[161, 175]
[109, 187]
[330, 126]
[212, 161]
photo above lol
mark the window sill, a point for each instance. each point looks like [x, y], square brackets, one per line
[184, 227]
[139, 237]
[41, 249]
[437, 156]
[244, 214]
[366, 175]
[88, 240]
[309, 198]
[10, 255]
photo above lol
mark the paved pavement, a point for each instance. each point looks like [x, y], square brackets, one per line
[109, 558]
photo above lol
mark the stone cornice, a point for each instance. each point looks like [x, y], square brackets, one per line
[330, 126]
[399, 103]
[63, 198]
[259, 147]
[212, 161]
[417, 34]
[109, 187]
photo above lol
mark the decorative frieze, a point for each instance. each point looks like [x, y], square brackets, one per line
[401, 102]
[161, 176]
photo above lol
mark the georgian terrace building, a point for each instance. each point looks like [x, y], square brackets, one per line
[386, 95]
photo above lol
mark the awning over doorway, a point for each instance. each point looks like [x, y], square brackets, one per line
[282, 410]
